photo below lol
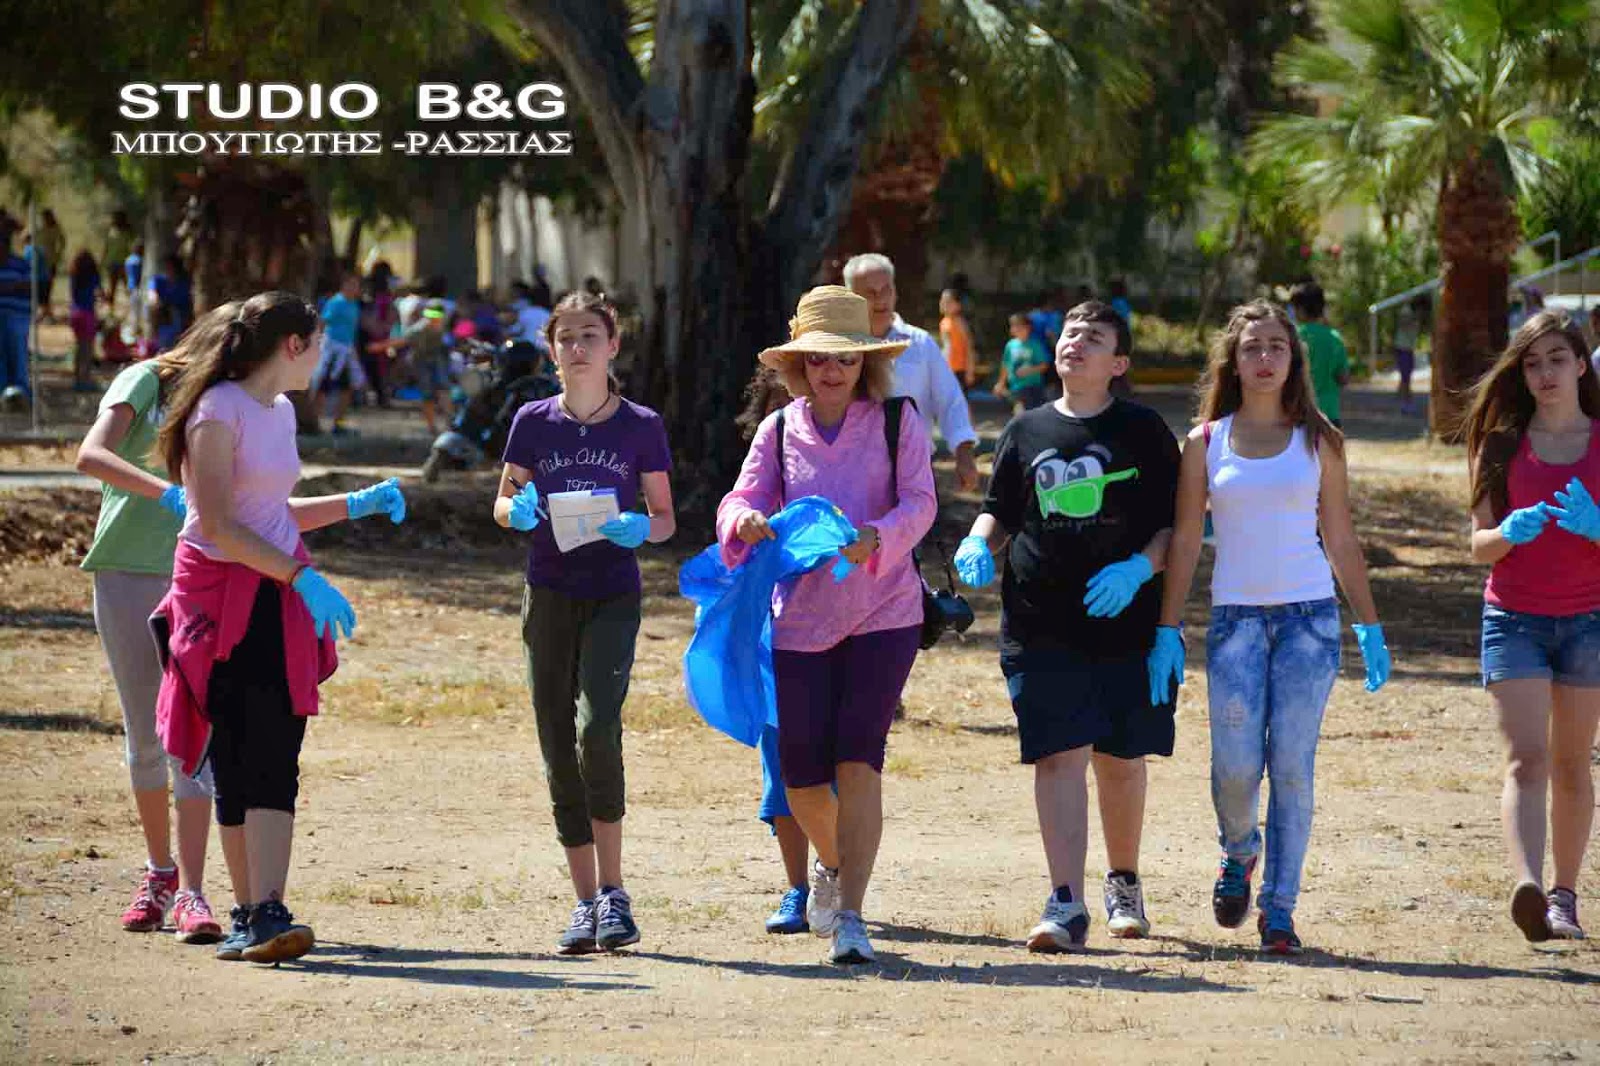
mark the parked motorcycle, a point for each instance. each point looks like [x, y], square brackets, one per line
[520, 372]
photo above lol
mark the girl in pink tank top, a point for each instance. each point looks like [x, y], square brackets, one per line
[1534, 437]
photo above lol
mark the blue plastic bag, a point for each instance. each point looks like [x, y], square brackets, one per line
[728, 667]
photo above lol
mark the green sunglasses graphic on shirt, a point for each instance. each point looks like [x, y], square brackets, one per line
[1081, 498]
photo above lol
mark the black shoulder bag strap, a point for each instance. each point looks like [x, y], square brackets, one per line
[782, 480]
[893, 411]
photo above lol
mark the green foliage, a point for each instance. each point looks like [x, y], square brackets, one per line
[1419, 86]
[1368, 269]
[1566, 195]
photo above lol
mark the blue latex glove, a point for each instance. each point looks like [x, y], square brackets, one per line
[1374, 653]
[383, 498]
[1113, 588]
[628, 530]
[1575, 511]
[175, 500]
[1522, 526]
[329, 609]
[1165, 664]
[525, 508]
[974, 562]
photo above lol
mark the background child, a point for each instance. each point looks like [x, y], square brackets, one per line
[1023, 367]
[83, 283]
[765, 394]
[955, 337]
[339, 372]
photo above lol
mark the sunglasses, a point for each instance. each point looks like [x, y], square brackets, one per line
[1082, 498]
[844, 359]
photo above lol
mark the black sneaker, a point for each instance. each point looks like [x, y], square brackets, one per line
[1278, 935]
[232, 946]
[614, 924]
[579, 937]
[273, 935]
[1230, 896]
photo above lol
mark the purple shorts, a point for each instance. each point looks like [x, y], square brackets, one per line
[837, 705]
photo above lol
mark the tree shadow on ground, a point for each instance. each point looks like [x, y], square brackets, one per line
[1318, 958]
[46, 619]
[60, 722]
[1063, 972]
[412, 964]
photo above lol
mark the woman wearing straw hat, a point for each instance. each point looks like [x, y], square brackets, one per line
[841, 649]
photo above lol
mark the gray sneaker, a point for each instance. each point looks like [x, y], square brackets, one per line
[1064, 926]
[1562, 915]
[850, 944]
[1125, 917]
[822, 906]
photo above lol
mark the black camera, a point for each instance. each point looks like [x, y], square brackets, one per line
[943, 610]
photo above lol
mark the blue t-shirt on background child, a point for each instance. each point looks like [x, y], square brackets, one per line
[341, 315]
[565, 456]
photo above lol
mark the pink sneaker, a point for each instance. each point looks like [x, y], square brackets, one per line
[150, 903]
[192, 915]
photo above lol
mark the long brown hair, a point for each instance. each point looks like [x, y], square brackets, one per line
[1221, 393]
[231, 353]
[206, 333]
[1502, 407]
[584, 302]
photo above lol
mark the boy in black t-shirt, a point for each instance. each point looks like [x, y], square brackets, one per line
[1083, 491]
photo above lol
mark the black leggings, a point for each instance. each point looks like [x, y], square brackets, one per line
[255, 734]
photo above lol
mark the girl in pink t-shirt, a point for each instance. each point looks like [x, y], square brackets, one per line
[1534, 437]
[243, 579]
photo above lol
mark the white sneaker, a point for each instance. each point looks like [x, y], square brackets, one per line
[1064, 927]
[1125, 916]
[850, 944]
[822, 908]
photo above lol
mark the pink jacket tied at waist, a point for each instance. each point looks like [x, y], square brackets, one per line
[198, 624]
[853, 474]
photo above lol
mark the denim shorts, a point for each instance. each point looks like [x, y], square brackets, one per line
[1518, 645]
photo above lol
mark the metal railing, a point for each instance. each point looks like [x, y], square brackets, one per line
[1554, 236]
[1581, 261]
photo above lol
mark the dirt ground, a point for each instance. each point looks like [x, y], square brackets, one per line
[427, 863]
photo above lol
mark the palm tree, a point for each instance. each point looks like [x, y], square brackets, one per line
[1440, 92]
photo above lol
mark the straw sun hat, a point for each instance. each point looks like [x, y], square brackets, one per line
[830, 319]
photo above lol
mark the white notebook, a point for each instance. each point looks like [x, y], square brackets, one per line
[576, 517]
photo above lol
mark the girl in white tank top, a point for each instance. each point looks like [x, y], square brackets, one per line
[1272, 468]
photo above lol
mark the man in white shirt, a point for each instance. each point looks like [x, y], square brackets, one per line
[921, 371]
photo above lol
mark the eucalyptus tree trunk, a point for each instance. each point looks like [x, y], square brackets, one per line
[717, 276]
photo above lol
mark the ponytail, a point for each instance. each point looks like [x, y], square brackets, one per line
[207, 332]
[225, 347]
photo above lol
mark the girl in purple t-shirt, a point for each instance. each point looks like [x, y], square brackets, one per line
[580, 610]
